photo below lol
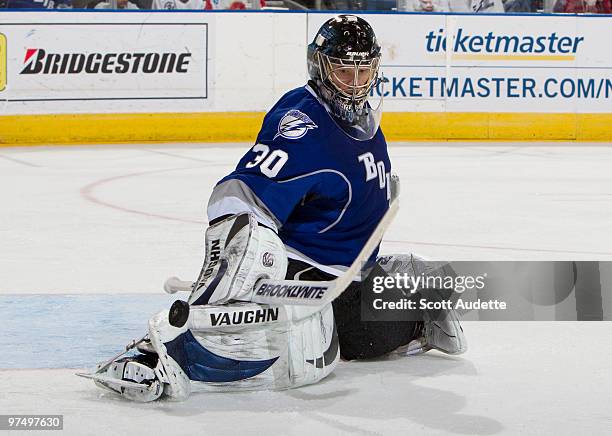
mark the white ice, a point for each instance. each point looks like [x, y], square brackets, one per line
[121, 219]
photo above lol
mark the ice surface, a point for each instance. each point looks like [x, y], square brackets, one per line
[517, 378]
[89, 234]
[114, 219]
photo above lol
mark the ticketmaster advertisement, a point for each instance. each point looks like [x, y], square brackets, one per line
[472, 63]
[184, 62]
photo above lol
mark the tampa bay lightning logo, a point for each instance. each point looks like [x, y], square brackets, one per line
[294, 124]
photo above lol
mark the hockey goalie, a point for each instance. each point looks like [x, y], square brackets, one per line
[277, 303]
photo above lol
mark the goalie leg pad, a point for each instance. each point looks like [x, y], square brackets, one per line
[237, 347]
[248, 346]
[239, 252]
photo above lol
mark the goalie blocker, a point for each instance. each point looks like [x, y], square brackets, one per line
[239, 252]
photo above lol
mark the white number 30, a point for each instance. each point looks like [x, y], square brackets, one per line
[270, 165]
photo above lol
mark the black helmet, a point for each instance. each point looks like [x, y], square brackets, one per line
[343, 62]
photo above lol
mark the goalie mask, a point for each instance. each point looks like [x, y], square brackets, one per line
[343, 63]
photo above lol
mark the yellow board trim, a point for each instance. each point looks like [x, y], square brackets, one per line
[3, 55]
[113, 128]
[244, 126]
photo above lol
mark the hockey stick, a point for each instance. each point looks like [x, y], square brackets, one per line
[102, 378]
[101, 367]
[307, 292]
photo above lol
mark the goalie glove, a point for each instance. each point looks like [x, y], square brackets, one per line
[239, 251]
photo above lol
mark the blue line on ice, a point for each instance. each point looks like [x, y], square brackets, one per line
[72, 331]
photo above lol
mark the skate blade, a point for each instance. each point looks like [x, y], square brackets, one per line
[111, 380]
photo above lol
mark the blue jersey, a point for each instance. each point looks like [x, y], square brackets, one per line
[39, 4]
[323, 191]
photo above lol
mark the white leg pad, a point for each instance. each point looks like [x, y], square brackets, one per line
[246, 346]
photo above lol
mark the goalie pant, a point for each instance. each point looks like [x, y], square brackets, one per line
[361, 331]
[245, 346]
[359, 339]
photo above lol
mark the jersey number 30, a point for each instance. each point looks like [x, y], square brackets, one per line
[271, 163]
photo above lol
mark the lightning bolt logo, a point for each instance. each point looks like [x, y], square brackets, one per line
[294, 125]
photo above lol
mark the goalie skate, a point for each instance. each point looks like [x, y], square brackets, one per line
[135, 378]
[445, 336]
[144, 377]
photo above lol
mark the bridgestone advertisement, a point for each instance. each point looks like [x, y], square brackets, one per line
[107, 61]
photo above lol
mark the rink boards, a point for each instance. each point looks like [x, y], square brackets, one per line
[79, 77]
